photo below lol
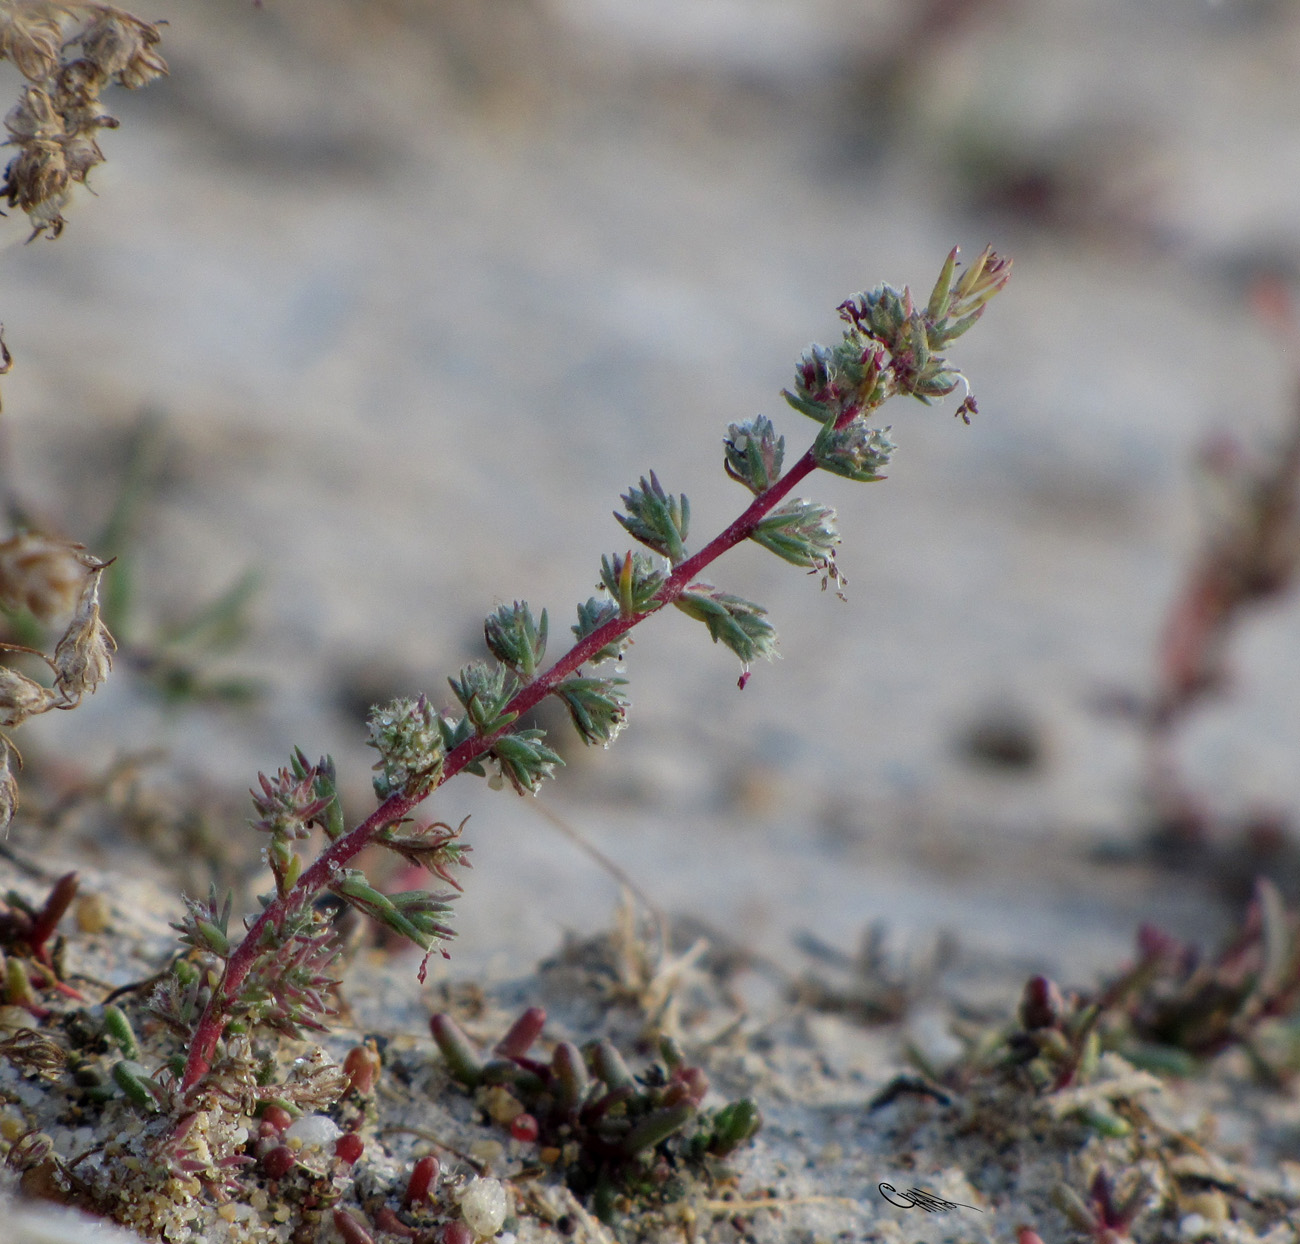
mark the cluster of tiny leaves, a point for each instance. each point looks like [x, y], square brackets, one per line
[802, 532]
[633, 582]
[657, 519]
[288, 985]
[287, 989]
[754, 454]
[890, 346]
[592, 615]
[515, 639]
[855, 451]
[732, 620]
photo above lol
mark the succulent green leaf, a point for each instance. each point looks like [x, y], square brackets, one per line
[937, 308]
[524, 759]
[327, 786]
[454, 733]
[139, 1086]
[943, 334]
[592, 615]
[802, 532]
[609, 1065]
[656, 518]
[415, 915]
[119, 1028]
[425, 912]
[733, 1125]
[633, 581]
[656, 1127]
[516, 639]
[805, 406]
[597, 709]
[754, 453]
[571, 1077]
[731, 620]
[463, 1060]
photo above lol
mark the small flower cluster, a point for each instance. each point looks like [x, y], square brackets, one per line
[409, 743]
[891, 348]
[49, 577]
[69, 53]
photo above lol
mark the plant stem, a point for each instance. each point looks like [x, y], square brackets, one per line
[318, 877]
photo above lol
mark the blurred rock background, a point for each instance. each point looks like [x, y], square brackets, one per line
[415, 288]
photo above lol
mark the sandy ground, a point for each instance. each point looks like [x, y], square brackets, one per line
[418, 289]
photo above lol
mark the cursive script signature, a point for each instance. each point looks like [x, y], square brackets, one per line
[919, 1198]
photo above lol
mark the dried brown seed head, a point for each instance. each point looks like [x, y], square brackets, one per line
[31, 39]
[69, 53]
[21, 697]
[46, 575]
[84, 655]
[120, 46]
[8, 785]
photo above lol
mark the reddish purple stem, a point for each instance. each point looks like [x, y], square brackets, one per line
[317, 878]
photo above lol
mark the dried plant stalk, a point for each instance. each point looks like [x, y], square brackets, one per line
[69, 54]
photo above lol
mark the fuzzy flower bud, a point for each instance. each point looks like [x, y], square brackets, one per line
[405, 734]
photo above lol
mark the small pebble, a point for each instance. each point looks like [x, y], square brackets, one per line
[487, 1151]
[1211, 1205]
[12, 1018]
[313, 1130]
[484, 1207]
[502, 1105]
[92, 913]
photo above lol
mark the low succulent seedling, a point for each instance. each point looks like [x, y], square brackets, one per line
[608, 1131]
